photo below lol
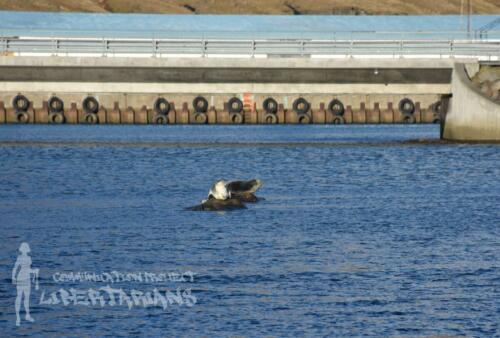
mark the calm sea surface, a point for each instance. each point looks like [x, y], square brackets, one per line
[360, 233]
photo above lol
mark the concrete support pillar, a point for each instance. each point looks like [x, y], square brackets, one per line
[319, 116]
[183, 116]
[72, 114]
[251, 115]
[114, 116]
[172, 114]
[141, 116]
[373, 116]
[31, 113]
[42, 114]
[212, 115]
[102, 114]
[426, 115]
[387, 116]
[359, 116]
[127, 116]
[223, 115]
[398, 115]
[290, 117]
[2, 112]
[280, 114]
[329, 116]
[418, 112]
[348, 114]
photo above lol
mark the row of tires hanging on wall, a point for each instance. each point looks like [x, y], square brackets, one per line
[164, 112]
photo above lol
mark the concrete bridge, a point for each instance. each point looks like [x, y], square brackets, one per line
[126, 90]
[298, 77]
[370, 90]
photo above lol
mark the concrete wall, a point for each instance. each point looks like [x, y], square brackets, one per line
[150, 62]
[471, 116]
[225, 75]
[228, 89]
[138, 82]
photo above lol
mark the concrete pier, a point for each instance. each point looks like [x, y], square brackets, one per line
[472, 115]
[370, 90]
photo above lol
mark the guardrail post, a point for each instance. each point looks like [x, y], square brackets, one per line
[104, 47]
[203, 48]
[54, 47]
[253, 48]
[155, 47]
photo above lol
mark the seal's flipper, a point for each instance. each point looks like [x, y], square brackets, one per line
[241, 187]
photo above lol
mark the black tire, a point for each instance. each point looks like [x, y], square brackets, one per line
[301, 106]
[56, 118]
[20, 103]
[22, 117]
[270, 105]
[90, 105]
[162, 106]
[437, 108]
[235, 105]
[436, 119]
[160, 119]
[406, 106]
[336, 107]
[408, 119]
[236, 118]
[56, 105]
[90, 118]
[200, 104]
[338, 120]
[303, 119]
[270, 118]
[200, 118]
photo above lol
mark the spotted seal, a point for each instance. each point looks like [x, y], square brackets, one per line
[224, 196]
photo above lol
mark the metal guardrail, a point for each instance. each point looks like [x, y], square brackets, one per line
[488, 49]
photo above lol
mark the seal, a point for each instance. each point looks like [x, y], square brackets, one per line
[219, 191]
[224, 196]
[244, 186]
[245, 190]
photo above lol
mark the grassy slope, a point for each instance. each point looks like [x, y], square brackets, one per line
[255, 6]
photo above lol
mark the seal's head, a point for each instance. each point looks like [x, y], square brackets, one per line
[24, 248]
[219, 191]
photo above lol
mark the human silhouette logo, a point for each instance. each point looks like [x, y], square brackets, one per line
[22, 277]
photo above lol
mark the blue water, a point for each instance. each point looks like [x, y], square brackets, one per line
[360, 233]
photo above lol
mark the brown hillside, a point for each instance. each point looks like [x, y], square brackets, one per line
[255, 6]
